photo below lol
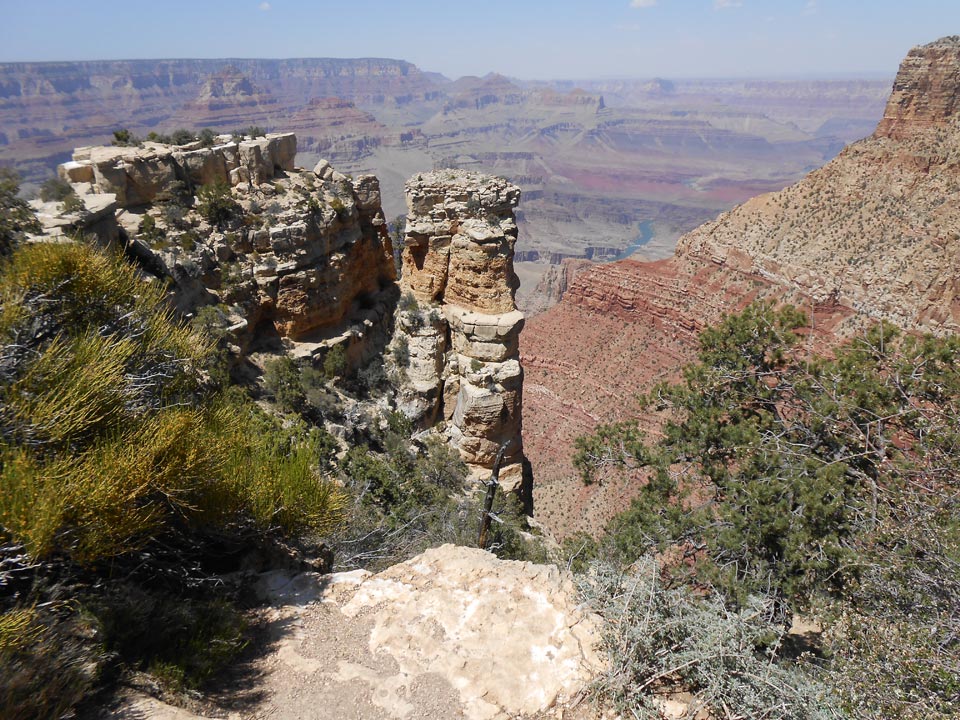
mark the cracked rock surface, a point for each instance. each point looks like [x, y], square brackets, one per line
[452, 633]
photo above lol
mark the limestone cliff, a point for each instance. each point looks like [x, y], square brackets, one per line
[302, 253]
[926, 92]
[153, 171]
[460, 323]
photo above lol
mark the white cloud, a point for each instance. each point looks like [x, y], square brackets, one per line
[642, 3]
[810, 8]
[726, 4]
[265, 6]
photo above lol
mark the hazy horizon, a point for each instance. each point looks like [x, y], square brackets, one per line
[560, 40]
[784, 77]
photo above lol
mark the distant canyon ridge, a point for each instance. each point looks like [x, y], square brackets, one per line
[608, 168]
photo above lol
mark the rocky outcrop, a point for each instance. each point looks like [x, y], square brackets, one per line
[93, 216]
[460, 321]
[304, 253]
[554, 284]
[926, 93]
[451, 633]
[154, 171]
[316, 261]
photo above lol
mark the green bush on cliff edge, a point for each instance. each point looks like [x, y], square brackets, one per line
[112, 444]
[825, 486]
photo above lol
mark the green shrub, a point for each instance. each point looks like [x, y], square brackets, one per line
[401, 351]
[44, 670]
[55, 189]
[817, 483]
[174, 217]
[207, 137]
[182, 136]
[277, 475]
[100, 451]
[662, 642]
[303, 390]
[150, 232]
[73, 204]
[408, 303]
[187, 240]
[335, 362]
[16, 217]
[281, 377]
[216, 204]
[372, 377]
[124, 138]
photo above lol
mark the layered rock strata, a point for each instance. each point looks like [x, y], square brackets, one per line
[877, 228]
[873, 234]
[154, 171]
[304, 254]
[229, 99]
[632, 324]
[926, 91]
[458, 317]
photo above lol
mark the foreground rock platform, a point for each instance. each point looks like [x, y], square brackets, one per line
[452, 633]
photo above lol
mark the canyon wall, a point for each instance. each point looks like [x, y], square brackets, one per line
[664, 154]
[877, 228]
[458, 317]
[874, 234]
[300, 254]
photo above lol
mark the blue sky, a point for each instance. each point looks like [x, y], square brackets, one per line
[521, 38]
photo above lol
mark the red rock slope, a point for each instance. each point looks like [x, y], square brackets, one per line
[875, 231]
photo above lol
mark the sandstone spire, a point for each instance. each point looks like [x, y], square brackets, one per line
[462, 332]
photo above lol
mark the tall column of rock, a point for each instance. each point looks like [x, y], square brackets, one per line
[462, 332]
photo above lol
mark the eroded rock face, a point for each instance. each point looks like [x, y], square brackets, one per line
[318, 255]
[304, 252]
[460, 237]
[143, 175]
[461, 324]
[926, 93]
[876, 229]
